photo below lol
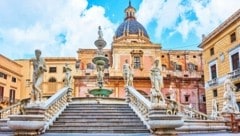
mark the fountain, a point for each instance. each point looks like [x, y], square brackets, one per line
[100, 61]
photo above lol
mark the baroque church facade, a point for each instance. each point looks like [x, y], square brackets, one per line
[181, 69]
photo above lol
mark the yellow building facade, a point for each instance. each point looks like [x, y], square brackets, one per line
[221, 50]
[53, 78]
[10, 81]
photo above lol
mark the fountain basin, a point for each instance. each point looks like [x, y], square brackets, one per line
[100, 92]
[100, 60]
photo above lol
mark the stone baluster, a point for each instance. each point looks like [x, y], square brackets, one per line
[39, 117]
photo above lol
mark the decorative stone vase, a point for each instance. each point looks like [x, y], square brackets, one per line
[26, 125]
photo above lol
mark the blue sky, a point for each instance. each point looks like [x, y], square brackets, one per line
[61, 27]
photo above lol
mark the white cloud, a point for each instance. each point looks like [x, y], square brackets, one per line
[213, 14]
[173, 15]
[69, 17]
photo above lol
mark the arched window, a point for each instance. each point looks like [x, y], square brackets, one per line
[164, 67]
[52, 79]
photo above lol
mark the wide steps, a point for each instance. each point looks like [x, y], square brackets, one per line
[121, 131]
[105, 124]
[200, 126]
[95, 114]
[4, 129]
[98, 118]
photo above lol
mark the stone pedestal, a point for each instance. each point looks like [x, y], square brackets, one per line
[34, 109]
[161, 123]
[26, 125]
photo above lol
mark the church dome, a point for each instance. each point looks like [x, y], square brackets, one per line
[130, 24]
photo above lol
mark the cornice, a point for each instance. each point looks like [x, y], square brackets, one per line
[233, 18]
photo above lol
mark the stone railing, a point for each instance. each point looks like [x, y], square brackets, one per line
[139, 103]
[56, 104]
[190, 113]
[153, 114]
[14, 109]
[213, 82]
[38, 117]
[235, 74]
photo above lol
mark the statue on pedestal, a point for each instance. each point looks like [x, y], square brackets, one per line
[100, 33]
[172, 93]
[39, 67]
[100, 75]
[67, 79]
[230, 104]
[127, 74]
[214, 113]
[157, 83]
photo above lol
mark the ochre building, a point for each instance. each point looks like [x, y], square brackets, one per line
[221, 50]
[10, 81]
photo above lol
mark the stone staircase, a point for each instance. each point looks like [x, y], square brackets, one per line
[98, 118]
[4, 129]
[203, 126]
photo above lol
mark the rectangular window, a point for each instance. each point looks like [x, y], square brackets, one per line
[238, 87]
[238, 104]
[233, 37]
[1, 93]
[179, 67]
[3, 75]
[212, 51]
[12, 96]
[14, 79]
[203, 98]
[213, 71]
[235, 61]
[186, 98]
[137, 63]
[52, 69]
[215, 93]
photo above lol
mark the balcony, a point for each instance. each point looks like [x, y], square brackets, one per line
[235, 74]
[213, 82]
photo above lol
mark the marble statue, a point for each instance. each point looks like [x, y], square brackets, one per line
[67, 79]
[188, 110]
[100, 75]
[157, 83]
[39, 67]
[214, 113]
[127, 74]
[100, 33]
[172, 93]
[229, 104]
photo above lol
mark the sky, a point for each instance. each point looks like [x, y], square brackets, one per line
[60, 27]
